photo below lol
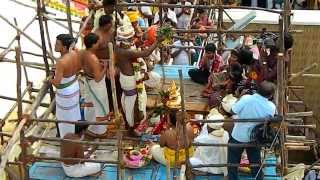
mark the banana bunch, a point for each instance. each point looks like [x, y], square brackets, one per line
[166, 32]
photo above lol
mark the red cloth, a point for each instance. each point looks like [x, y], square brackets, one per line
[215, 66]
[151, 35]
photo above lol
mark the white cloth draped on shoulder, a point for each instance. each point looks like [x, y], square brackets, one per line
[67, 104]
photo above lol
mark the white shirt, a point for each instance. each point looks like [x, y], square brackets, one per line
[250, 107]
[211, 154]
[146, 10]
[123, 21]
[184, 19]
[183, 57]
[170, 14]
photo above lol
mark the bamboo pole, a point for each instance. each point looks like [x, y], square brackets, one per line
[43, 44]
[220, 23]
[65, 20]
[199, 6]
[47, 31]
[301, 73]
[82, 28]
[26, 35]
[24, 101]
[309, 126]
[297, 148]
[227, 31]
[36, 138]
[119, 122]
[21, 55]
[232, 165]
[29, 64]
[42, 92]
[244, 145]
[73, 159]
[184, 131]
[23, 52]
[58, 23]
[281, 93]
[68, 12]
[28, 6]
[300, 114]
[18, 88]
[7, 49]
[44, 120]
[296, 138]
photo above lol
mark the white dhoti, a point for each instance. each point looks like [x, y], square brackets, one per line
[97, 94]
[129, 96]
[158, 154]
[67, 104]
[81, 170]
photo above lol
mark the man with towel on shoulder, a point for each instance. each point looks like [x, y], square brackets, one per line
[106, 34]
[95, 85]
[68, 90]
[212, 133]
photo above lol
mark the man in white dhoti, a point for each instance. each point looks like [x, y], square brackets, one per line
[68, 90]
[132, 75]
[74, 168]
[212, 133]
[95, 86]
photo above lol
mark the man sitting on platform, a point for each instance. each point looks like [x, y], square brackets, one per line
[215, 134]
[68, 90]
[95, 86]
[165, 151]
[256, 106]
[74, 168]
[210, 63]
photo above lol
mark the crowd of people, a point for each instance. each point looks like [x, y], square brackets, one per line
[238, 83]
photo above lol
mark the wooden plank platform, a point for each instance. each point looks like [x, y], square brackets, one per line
[193, 100]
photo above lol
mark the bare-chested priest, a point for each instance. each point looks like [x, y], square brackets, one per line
[67, 93]
[106, 34]
[132, 74]
[95, 87]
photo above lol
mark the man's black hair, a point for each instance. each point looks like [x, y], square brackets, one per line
[173, 117]
[235, 52]
[211, 47]
[201, 10]
[108, 2]
[66, 40]
[245, 56]
[288, 41]
[236, 71]
[104, 20]
[266, 89]
[90, 40]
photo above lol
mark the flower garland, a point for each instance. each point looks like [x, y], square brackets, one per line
[138, 67]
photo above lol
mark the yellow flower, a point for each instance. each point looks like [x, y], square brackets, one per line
[253, 75]
[140, 86]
